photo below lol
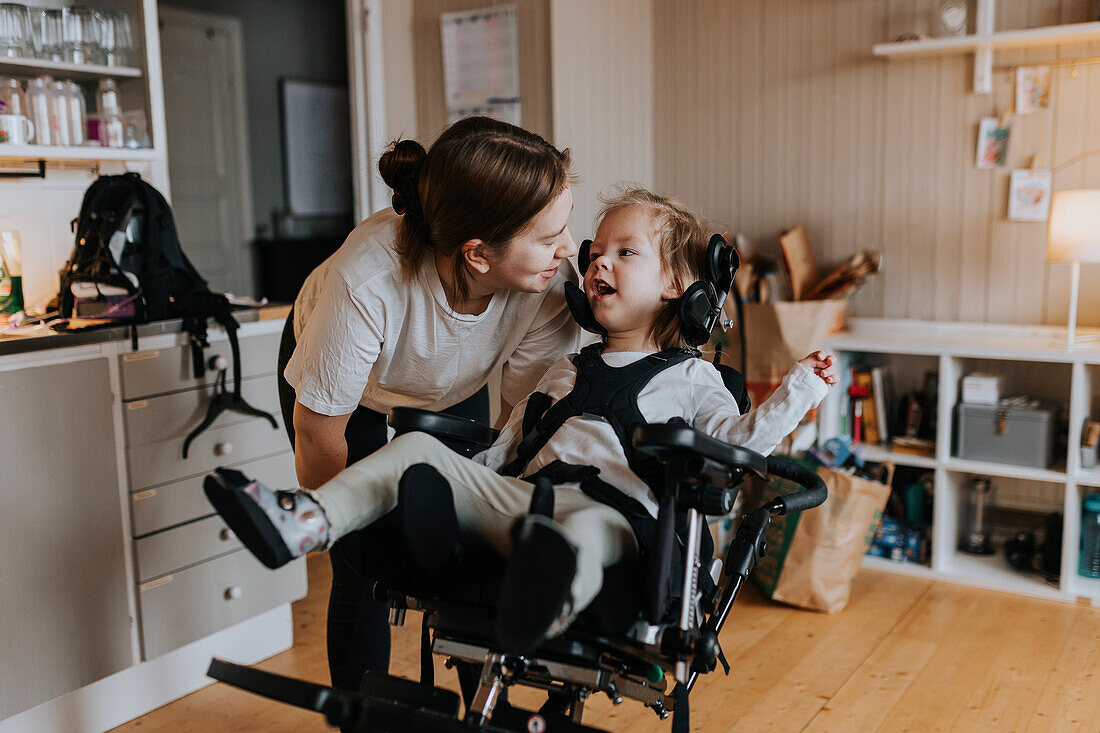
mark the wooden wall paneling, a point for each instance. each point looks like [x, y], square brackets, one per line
[870, 20]
[748, 214]
[1069, 105]
[899, 95]
[923, 181]
[1090, 178]
[952, 83]
[818, 83]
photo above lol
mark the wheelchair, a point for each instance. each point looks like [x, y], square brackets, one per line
[648, 636]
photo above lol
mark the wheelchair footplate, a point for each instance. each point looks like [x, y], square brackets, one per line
[384, 703]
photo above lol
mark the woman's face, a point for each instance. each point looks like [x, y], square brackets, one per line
[529, 262]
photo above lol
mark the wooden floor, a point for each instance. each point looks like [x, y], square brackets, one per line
[907, 654]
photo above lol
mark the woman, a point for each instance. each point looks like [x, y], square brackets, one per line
[417, 308]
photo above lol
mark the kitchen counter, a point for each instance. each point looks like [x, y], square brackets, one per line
[21, 344]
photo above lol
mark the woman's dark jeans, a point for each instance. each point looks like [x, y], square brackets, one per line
[358, 625]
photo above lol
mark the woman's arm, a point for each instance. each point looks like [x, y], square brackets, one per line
[320, 449]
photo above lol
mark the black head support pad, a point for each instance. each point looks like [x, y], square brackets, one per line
[700, 305]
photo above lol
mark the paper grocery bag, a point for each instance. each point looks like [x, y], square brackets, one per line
[777, 335]
[814, 555]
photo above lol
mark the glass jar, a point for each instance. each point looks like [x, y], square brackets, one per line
[78, 113]
[13, 98]
[109, 112]
[951, 17]
[1088, 564]
[38, 101]
[61, 126]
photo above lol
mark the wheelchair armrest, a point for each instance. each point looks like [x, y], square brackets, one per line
[666, 440]
[468, 436]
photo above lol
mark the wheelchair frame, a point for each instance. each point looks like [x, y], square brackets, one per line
[702, 475]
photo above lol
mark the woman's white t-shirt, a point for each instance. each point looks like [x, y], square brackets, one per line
[368, 336]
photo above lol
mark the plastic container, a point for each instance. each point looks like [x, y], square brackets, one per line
[11, 273]
[38, 100]
[1088, 564]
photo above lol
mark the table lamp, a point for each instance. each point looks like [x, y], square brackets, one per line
[1074, 237]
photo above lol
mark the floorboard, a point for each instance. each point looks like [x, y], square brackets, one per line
[907, 654]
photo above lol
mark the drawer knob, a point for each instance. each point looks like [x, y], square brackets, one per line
[233, 593]
[225, 535]
[219, 363]
[223, 449]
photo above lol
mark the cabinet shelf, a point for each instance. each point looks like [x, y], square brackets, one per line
[991, 571]
[1004, 40]
[1030, 363]
[88, 153]
[1007, 470]
[880, 453]
[33, 67]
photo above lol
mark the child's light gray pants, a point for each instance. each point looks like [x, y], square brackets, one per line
[486, 503]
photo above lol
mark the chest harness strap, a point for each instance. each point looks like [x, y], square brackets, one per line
[602, 390]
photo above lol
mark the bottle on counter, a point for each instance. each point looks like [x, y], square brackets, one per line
[11, 273]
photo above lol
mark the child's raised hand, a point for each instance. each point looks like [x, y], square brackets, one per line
[823, 365]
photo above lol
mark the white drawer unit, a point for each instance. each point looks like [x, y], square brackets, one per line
[172, 416]
[192, 575]
[157, 371]
[181, 547]
[181, 607]
[160, 463]
[182, 501]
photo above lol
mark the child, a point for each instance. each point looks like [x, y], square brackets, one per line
[647, 250]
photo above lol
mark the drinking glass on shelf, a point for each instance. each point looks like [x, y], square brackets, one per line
[117, 38]
[80, 35]
[46, 32]
[15, 30]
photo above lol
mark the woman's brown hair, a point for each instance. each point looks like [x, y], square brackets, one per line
[481, 179]
[682, 243]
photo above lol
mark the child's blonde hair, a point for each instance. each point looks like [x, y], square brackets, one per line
[682, 242]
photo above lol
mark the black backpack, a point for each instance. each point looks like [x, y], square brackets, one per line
[126, 240]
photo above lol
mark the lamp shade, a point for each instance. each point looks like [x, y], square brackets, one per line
[1074, 233]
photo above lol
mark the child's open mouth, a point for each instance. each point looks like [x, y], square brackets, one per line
[601, 289]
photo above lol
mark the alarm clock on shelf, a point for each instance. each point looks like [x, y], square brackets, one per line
[951, 17]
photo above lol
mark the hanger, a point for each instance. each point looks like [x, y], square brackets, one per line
[223, 399]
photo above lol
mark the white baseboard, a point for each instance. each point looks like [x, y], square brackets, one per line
[136, 690]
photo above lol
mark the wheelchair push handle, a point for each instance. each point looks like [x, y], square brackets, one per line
[815, 492]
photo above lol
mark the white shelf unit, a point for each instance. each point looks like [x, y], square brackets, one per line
[984, 42]
[1033, 360]
[140, 88]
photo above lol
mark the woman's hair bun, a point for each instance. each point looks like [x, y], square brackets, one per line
[400, 165]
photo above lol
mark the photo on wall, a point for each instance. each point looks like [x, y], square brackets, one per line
[1029, 195]
[1032, 89]
[992, 143]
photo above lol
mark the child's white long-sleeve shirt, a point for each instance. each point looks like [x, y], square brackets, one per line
[692, 389]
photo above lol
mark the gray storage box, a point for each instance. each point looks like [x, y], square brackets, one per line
[1021, 434]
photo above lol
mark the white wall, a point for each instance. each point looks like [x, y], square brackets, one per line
[602, 72]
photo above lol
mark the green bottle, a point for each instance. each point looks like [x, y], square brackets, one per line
[11, 273]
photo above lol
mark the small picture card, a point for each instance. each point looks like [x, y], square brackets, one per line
[992, 143]
[1032, 88]
[1029, 195]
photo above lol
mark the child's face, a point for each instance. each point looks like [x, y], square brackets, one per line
[626, 283]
